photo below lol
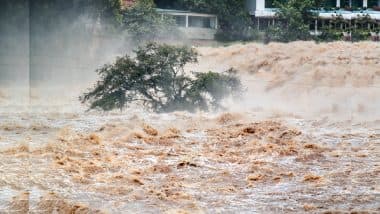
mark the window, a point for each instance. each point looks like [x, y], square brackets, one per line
[180, 21]
[372, 3]
[203, 22]
[269, 4]
[328, 4]
[344, 3]
[352, 3]
[357, 3]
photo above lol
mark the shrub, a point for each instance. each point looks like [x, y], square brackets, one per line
[360, 35]
[245, 34]
[156, 79]
[329, 34]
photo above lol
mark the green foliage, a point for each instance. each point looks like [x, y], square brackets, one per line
[294, 16]
[156, 79]
[245, 34]
[144, 23]
[359, 29]
[52, 12]
[362, 31]
[333, 31]
[364, 26]
[69, 20]
[360, 35]
[234, 21]
[107, 11]
[330, 34]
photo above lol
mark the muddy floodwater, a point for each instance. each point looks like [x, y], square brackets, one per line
[305, 137]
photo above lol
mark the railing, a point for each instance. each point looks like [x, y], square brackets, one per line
[354, 13]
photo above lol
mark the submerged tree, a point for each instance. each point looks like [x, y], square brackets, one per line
[156, 78]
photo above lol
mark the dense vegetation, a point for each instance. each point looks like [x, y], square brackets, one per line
[234, 20]
[295, 17]
[156, 79]
[143, 23]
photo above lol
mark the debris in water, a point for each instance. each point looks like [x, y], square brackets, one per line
[94, 138]
[150, 130]
[312, 178]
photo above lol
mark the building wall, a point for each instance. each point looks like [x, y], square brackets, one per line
[260, 4]
[196, 33]
[194, 26]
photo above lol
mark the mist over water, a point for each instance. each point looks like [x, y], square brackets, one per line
[14, 51]
[340, 80]
[48, 54]
[51, 50]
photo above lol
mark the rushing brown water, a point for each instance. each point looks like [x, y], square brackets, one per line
[306, 78]
[304, 138]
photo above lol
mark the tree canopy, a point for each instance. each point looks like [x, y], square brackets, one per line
[156, 79]
[294, 19]
[144, 23]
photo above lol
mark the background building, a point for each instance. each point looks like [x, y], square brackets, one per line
[263, 12]
[196, 26]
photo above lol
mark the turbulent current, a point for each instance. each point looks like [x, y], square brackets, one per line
[304, 137]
